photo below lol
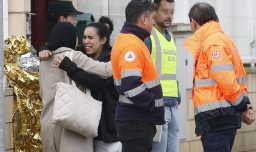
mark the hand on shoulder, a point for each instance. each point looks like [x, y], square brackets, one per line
[45, 54]
[57, 60]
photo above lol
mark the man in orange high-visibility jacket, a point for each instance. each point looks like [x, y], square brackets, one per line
[140, 105]
[219, 94]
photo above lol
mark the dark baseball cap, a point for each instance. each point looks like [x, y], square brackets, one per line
[62, 8]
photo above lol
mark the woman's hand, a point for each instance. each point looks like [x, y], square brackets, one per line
[57, 60]
[45, 54]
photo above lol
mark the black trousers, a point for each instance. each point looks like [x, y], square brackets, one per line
[135, 136]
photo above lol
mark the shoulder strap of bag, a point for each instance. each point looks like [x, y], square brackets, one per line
[67, 79]
[69, 54]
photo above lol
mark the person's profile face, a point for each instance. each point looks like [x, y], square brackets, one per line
[149, 21]
[70, 18]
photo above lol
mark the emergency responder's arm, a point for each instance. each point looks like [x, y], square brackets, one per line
[131, 64]
[223, 73]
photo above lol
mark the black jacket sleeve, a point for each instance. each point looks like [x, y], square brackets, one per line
[242, 106]
[82, 77]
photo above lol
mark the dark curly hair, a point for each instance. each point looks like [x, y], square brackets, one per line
[106, 20]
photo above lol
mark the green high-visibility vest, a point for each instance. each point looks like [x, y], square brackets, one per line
[164, 55]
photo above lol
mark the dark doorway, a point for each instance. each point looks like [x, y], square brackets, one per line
[39, 22]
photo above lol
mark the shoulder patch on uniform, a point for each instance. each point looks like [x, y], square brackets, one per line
[216, 54]
[130, 56]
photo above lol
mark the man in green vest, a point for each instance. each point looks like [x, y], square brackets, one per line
[164, 54]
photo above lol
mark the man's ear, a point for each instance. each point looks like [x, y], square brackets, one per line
[142, 20]
[194, 24]
[61, 19]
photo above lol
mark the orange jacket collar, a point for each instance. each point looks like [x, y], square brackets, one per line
[193, 43]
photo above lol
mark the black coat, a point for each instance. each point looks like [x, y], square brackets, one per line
[102, 90]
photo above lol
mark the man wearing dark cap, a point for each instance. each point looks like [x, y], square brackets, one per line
[59, 11]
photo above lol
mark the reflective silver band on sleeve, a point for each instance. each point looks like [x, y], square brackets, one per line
[135, 91]
[222, 67]
[212, 82]
[129, 73]
[152, 84]
[117, 82]
[212, 106]
[124, 99]
[204, 82]
[238, 100]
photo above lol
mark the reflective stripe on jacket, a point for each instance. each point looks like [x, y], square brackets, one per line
[219, 78]
[164, 55]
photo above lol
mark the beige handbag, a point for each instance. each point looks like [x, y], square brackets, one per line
[76, 110]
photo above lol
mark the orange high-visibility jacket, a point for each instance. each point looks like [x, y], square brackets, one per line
[219, 92]
[136, 80]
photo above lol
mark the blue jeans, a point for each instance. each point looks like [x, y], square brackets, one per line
[170, 133]
[219, 140]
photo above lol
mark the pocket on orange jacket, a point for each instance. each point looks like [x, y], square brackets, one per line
[202, 71]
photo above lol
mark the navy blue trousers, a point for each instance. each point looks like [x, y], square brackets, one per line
[135, 136]
[219, 140]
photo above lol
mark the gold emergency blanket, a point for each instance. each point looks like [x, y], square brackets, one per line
[27, 109]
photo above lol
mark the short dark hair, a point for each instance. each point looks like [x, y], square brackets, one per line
[136, 8]
[202, 13]
[157, 2]
[106, 20]
[102, 31]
